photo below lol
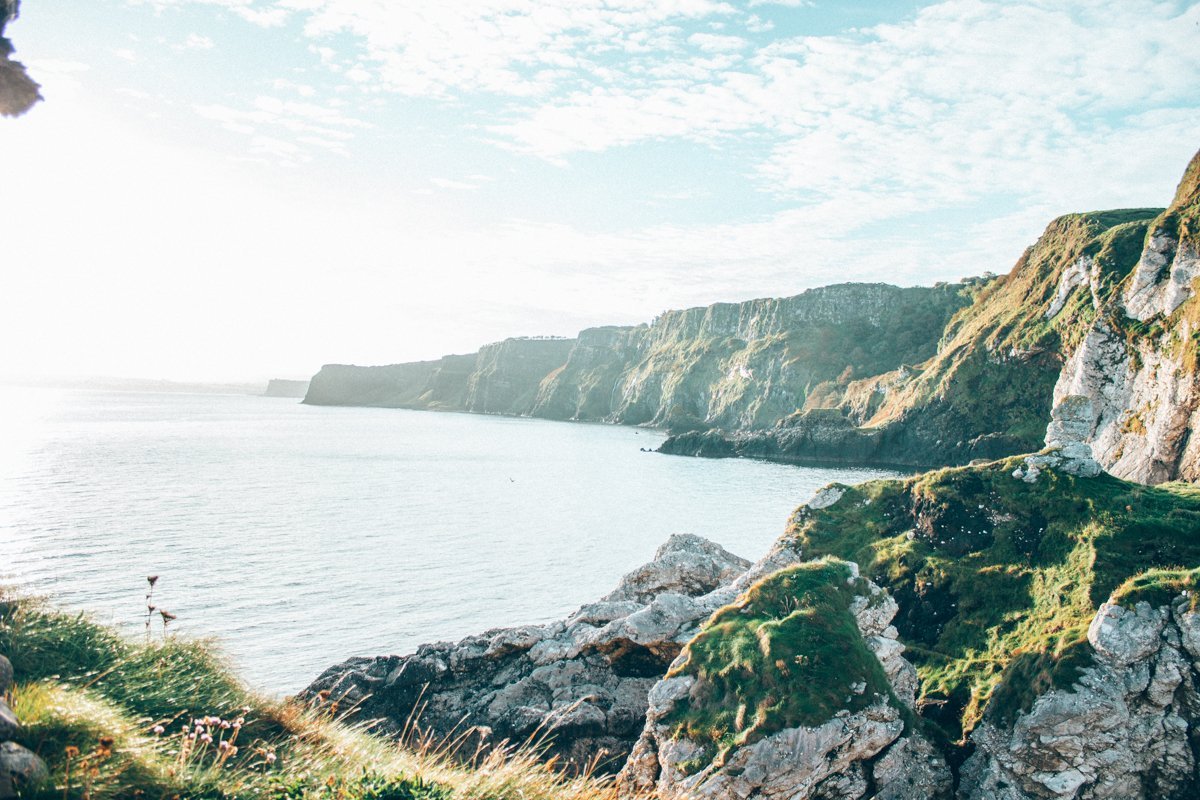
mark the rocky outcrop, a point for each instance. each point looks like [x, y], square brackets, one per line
[1128, 727]
[18, 92]
[860, 748]
[582, 682]
[20, 770]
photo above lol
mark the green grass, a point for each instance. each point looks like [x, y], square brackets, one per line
[91, 701]
[787, 653]
[997, 579]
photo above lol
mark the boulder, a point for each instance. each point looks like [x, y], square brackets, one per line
[20, 770]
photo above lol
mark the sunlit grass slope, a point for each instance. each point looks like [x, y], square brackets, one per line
[117, 718]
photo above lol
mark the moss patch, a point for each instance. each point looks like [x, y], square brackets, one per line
[787, 653]
[997, 579]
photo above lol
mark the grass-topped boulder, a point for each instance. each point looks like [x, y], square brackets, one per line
[798, 683]
[788, 653]
[997, 579]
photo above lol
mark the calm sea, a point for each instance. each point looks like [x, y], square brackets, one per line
[300, 536]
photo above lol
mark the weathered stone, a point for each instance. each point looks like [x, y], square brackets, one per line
[6, 675]
[583, 682]
[20, 770]
[1121, 732]
[830, 761]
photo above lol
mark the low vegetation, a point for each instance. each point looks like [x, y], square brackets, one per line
[117, 718]
[997, 579]
[787, 653]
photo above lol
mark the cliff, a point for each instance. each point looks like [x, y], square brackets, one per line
[1101, 306]
[742, 365]
[440, 384]
[1137, 361]
[279, 387]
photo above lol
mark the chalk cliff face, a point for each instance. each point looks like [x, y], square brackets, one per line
[1137, 362]
[738, 365]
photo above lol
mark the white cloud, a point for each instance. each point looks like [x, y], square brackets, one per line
[309, 124]
[195, 41]
[717, 43]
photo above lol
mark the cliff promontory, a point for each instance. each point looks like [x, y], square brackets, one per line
[738, 365]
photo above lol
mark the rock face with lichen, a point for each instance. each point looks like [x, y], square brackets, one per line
[1137, 364]
[1126, 729]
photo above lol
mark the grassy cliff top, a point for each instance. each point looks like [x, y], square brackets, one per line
[998, 579]
[788, 652]
[108, 714]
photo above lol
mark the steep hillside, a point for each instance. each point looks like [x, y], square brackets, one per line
[1101, 306]
[740, 365]
[987, 392]
[1138, 361]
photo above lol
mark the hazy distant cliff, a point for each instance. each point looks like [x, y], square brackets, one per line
[740, 365]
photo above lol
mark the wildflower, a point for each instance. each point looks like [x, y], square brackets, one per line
[225, 725]
[166, 615]
[270, 758]
[224, 746]
[72, 751]
[206, 738]
[151, 579]
[239, 722]
[159, 730]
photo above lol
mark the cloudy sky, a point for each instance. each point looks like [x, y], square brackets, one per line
[238, 189]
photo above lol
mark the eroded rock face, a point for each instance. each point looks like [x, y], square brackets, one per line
[1126, 729]
[851, 755]
[582, 681]
[1143, 388]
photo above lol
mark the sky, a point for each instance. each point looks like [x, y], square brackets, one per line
[244, 189]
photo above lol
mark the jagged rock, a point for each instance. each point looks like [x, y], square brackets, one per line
[843, 757]
[1067, 444]
[19, 770]
[6, 675]
[1123, 730]
[583, 681]
[686, 564]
